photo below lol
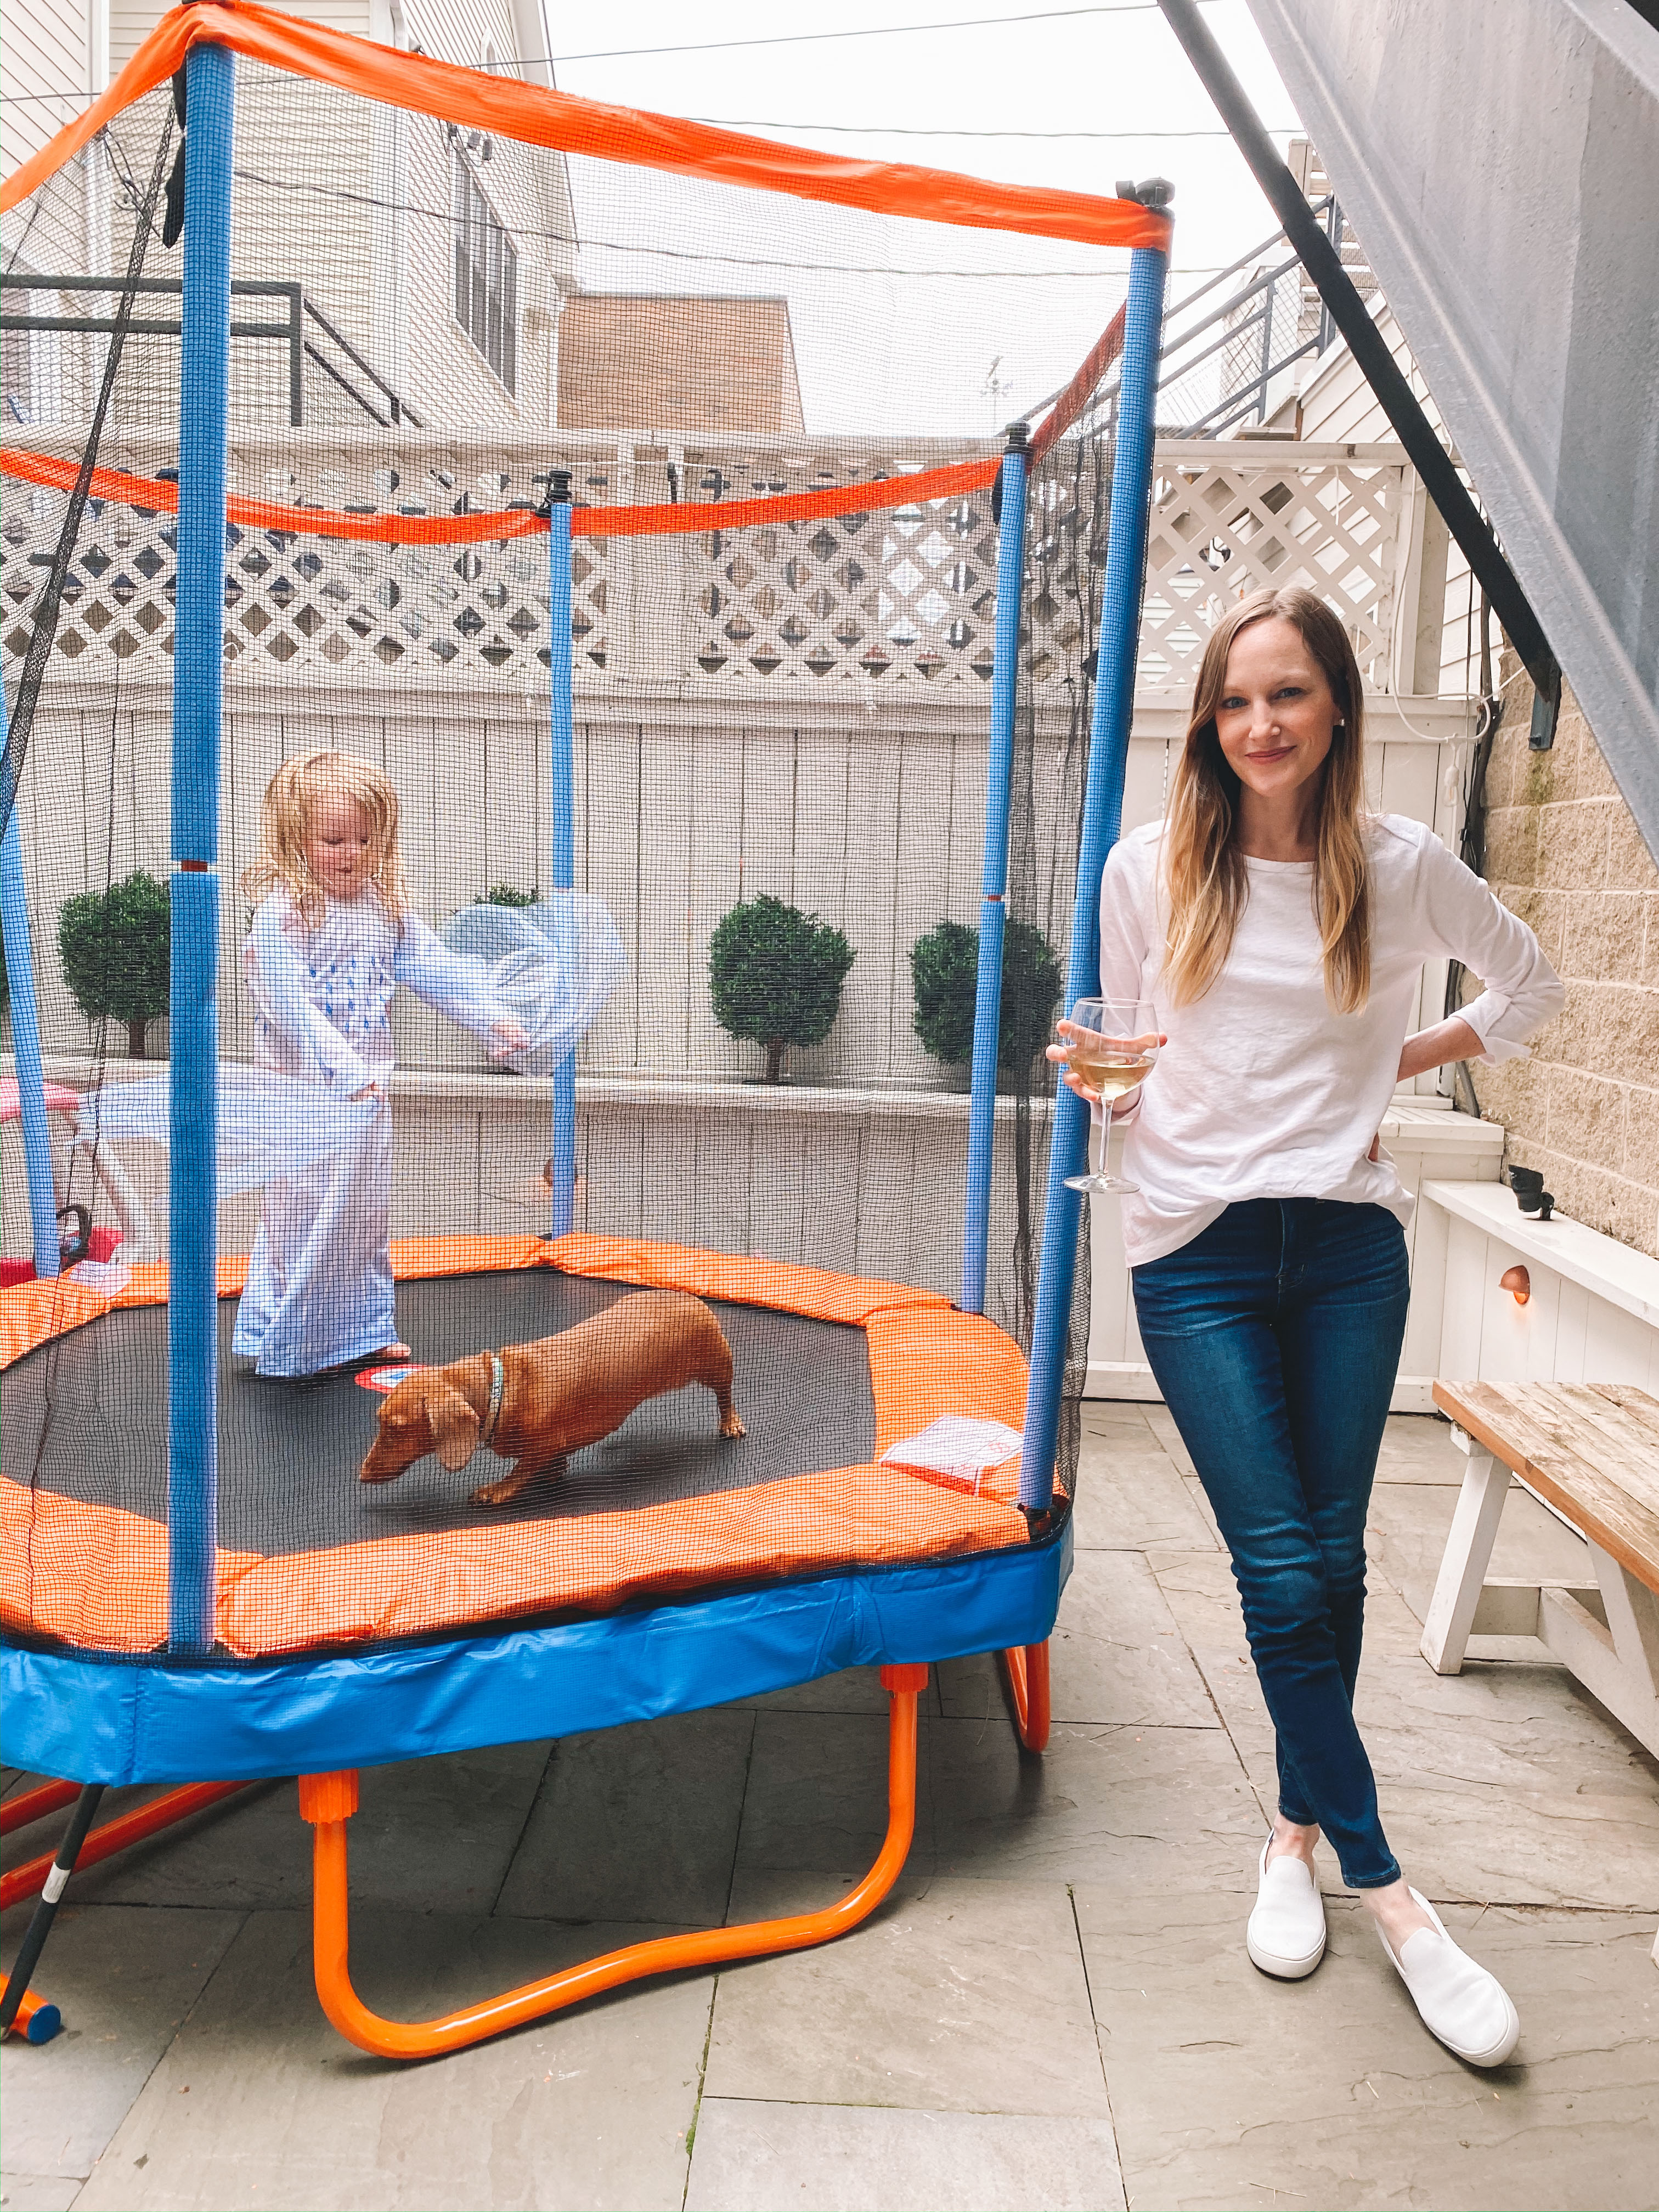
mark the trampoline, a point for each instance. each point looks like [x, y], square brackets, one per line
[828, 1373]
[196, 1590]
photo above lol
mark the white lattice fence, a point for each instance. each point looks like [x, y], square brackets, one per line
[312, 605]
[904, 594]
[1223, 525]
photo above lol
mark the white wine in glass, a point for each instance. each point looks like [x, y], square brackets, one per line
[1110, 1045]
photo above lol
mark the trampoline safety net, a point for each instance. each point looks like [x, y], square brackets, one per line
[611, 685]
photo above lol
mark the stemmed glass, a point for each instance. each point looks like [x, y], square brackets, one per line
[1110, 1044]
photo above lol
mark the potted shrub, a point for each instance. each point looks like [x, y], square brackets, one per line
[776, 976]
[945, 978]
[114, 946]
[505, 895]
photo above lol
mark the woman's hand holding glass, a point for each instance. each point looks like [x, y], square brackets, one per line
[1107, 1049]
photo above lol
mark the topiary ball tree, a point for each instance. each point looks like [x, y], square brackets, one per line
[776, 976]
[115, 946]
[945, 977]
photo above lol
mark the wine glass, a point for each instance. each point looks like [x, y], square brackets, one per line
[1112, 1044]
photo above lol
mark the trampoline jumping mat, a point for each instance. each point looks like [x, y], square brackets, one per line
[85, 1416]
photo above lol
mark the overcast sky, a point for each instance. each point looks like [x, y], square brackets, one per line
[1118, 71]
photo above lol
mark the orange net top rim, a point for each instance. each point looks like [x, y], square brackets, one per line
[160, 495]
[565, 122]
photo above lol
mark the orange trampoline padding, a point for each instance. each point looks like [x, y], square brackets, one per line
[96, 1575]
[34, 1312]
[776, 1283]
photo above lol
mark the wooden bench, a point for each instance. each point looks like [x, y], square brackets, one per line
[1591, 1450]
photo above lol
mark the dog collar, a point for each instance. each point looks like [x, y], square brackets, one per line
[497, 1386]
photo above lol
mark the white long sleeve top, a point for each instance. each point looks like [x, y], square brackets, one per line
[1263, 1090]
[322, 994]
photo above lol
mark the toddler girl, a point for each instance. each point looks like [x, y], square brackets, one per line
[332, 936]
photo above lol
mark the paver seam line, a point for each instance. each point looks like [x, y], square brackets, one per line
[523, 1825]
[535, 1919]
[1221, 1719]
[743, 1807]
[703, 2076]
[19, 2175]
[1100, 2054]
[931, 1739]
[178, 2026]
[943, 2111]
[714, 1985]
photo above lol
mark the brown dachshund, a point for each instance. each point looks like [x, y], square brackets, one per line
[537, 1403]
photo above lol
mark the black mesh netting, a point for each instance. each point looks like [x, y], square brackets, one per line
[429, 324]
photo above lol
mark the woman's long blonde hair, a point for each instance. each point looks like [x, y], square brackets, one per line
[1205, 874]
[285, 825]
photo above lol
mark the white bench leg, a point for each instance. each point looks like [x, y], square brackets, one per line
[1468, 1552]
[1632, 1611]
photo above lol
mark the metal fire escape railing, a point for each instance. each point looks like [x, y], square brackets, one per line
[1267, 317]
[302, 326]
[1228, 345]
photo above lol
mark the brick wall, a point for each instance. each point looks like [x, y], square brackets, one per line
[632, 361]
[1563, 851]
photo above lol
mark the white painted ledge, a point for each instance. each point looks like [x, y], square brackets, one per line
[1598, 1264]
[511, 1094]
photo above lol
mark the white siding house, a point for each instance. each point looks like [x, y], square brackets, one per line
[362, 207]
[52, 60]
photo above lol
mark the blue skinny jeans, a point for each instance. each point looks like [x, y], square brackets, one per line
[1275, 1336]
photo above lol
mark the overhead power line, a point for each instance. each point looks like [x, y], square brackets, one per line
[584, 243]
[911, 130]
[808, 38]
[871, 31]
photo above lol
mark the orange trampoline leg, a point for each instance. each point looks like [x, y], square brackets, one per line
[35, 1804]
[1027, 1669]
[163, 1812]
[328, 1801]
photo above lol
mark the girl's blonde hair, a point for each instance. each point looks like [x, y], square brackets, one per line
[1205, 873]
[285, 825]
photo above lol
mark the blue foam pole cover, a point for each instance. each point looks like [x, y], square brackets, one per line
[1103, 815]
[25, 1042]
[199, 660]
[562, 738]
[999, 784]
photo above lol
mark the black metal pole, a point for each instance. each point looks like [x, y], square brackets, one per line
[63, 1866]
[1323, 263]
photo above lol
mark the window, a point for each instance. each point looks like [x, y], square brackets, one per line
[486, 275]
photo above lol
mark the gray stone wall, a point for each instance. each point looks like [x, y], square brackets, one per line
[1563, 851]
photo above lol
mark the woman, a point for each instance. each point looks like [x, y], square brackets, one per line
[1279, 928]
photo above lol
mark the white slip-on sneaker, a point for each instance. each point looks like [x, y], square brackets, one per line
[1286, 1936]
[1461, 2003]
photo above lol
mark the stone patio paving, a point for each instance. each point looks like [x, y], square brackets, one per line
[1055, 2009]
